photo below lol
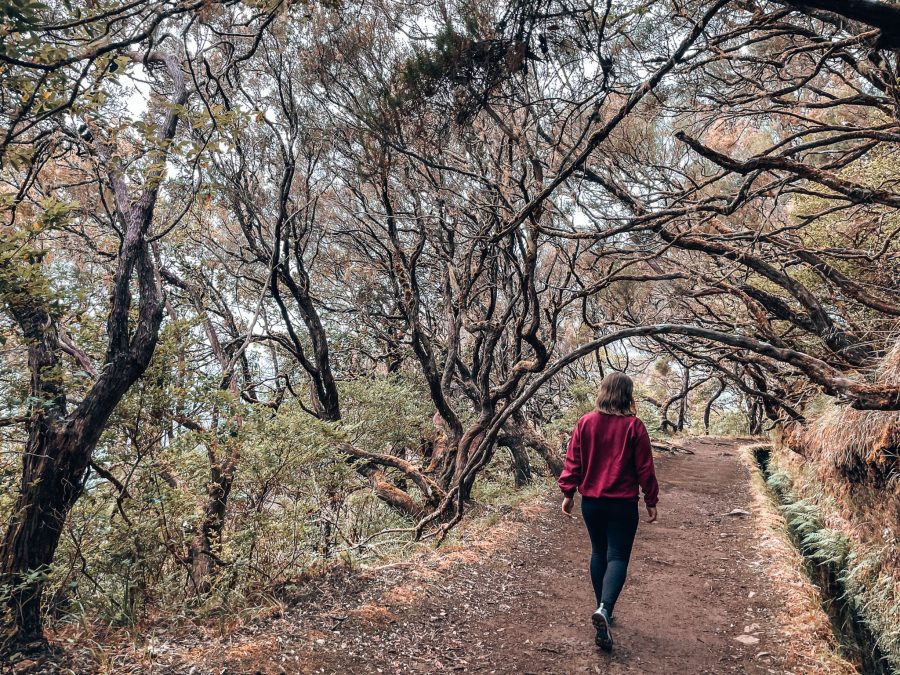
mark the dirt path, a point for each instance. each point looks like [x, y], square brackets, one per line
[694, 587]
[522, 605]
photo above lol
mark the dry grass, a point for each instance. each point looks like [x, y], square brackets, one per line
[847, 463]
[870, 519]
[862, 445]
[373, 615]
[801, 621]
[851, 456]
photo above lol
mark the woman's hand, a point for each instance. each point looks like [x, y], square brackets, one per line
[651, 514]
[567, 505]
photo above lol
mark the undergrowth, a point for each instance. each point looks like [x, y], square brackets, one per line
[865, 573]
[802, 619]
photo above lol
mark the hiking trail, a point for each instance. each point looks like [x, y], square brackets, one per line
[696, 601]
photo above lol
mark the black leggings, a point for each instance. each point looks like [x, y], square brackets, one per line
[611, 524]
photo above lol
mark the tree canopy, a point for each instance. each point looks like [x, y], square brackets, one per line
[258, 255]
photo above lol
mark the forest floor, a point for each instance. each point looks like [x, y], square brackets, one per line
[515, 597]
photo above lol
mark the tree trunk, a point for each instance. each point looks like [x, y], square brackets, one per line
[394, 496]
[443, 451]
[470, 441]
[682, 407]
[756, 420]
[535, 440]
[519, 453]
[551, 458]
[707, 411]
[52, 480]
[205, 546]
[59, 446]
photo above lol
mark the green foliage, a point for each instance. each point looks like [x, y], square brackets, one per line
[819, 543]
[495, 486]
[297, 503]
[581, 395]
[648, 412]
[386, 412]
[827, 546]
[20, 13]
[22, 276]
[803, 517]
[875, 594]
[780, 483]
[732, 422]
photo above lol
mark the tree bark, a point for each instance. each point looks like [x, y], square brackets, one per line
[682, 407]
[52, 480]
[535, 440]
[203, 550]
[707, 411]
[519, 454]
[53, 472]
[882, 15]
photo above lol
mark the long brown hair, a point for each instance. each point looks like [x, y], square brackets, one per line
[616, 395]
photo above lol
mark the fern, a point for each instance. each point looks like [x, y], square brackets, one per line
[827, 546]
[803, 516]
[780, 483]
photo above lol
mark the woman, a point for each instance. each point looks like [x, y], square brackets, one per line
[609, 456]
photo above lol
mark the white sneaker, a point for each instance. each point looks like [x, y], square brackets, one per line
[600, 619]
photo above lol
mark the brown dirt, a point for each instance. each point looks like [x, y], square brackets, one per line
[516, 598]
[694, 586]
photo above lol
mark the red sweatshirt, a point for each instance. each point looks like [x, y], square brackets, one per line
[609, 456]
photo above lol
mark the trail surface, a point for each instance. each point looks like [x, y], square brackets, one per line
[696, 600]
[694, 587]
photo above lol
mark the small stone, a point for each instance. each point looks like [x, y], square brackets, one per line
[762, 654]
[738, 512]
[747, 639]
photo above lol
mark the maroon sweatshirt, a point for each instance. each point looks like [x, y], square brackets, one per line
[609, 456]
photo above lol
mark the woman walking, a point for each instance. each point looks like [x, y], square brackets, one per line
[609, 457]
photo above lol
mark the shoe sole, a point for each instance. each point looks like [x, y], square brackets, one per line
[604, 635]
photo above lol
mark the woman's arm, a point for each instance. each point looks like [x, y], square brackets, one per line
[643, 461]
[571, 475]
